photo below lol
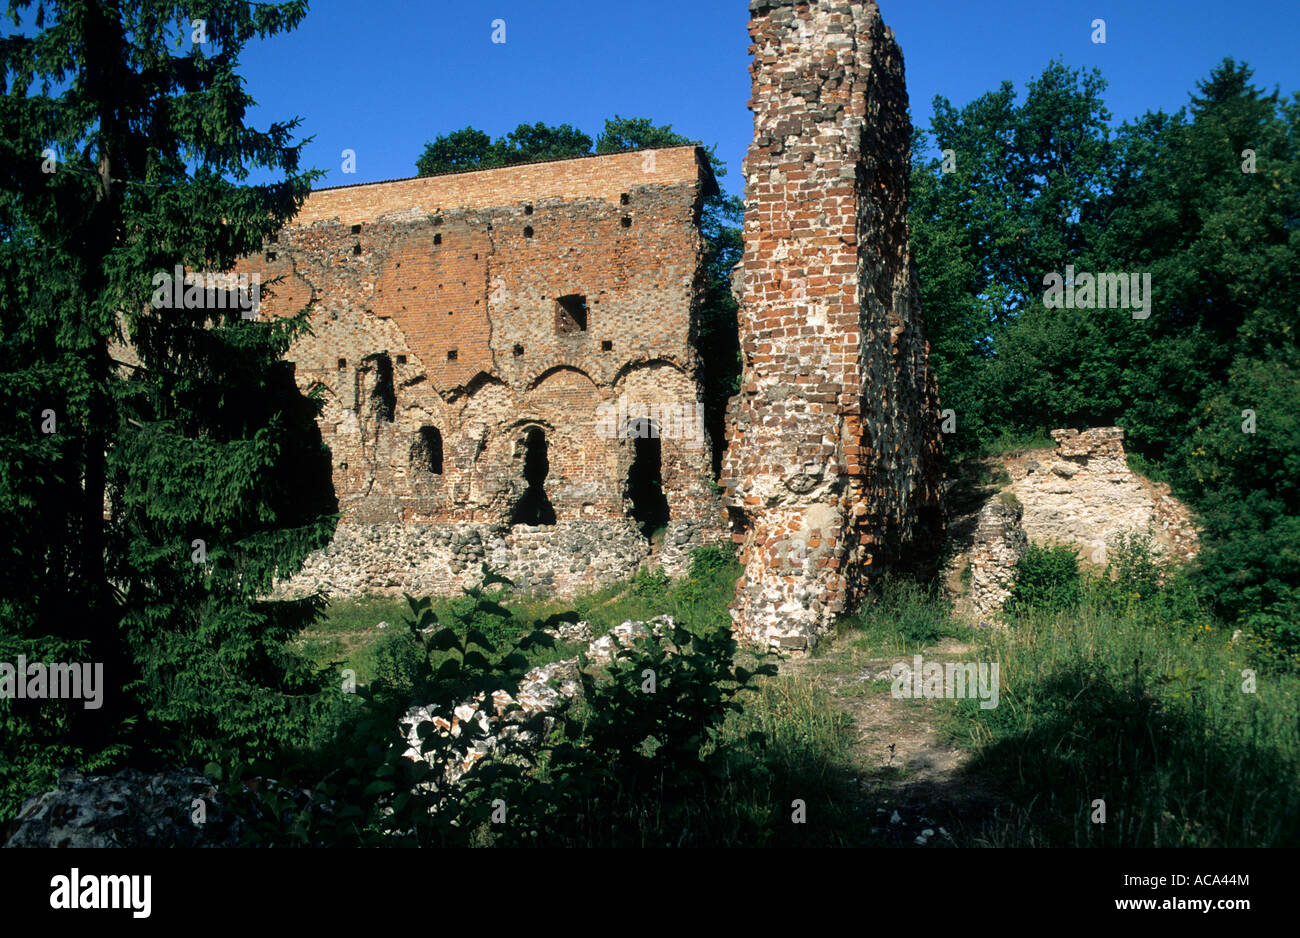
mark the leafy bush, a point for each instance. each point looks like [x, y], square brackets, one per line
[706, 561]
[650, 581]
[641, 760]
[1047, 579]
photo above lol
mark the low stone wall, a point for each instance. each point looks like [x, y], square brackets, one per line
[1083, 493]
[439, 559]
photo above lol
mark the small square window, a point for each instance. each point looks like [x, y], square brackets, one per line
[624, 199]
[606, 346]
[343, 363]
[627, 221]
[451, 355]
[528, 210]
[571, 314]
[356, 249]
[401, 359]
[437, 239]
[356, 229]
[518, 351]
[270, 255]
[528, 231]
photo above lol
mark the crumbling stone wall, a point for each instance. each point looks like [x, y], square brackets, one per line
[487, 344]
[832, 462]
[999, 543]
[1083, 493]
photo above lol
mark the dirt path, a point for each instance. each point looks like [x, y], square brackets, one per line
[914, 776]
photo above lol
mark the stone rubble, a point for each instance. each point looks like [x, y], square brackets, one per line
[127, 809]
[542, 692]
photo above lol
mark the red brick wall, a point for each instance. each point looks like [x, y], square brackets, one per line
[416, 268]
[832, 464]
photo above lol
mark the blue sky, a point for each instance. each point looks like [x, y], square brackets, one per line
[382, 77]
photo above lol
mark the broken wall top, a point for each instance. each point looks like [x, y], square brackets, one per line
[601, 177]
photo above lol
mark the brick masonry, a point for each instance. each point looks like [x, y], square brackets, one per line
[832, 468]
[446, 353]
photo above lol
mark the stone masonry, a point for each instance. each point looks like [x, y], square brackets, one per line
[1081, 494]
[832, 468]
[502, 354]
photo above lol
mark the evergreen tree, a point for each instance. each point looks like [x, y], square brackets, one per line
[131, 430]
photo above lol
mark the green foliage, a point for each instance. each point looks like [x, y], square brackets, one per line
[649, 582]
[469, 149]
[1142, 705]
[1169, 195]
[458, 151]
[707, 561]
[1132, 566]
[1047, 579]
[985, 234]
[641, 762]
[903, 615]
[202, 435]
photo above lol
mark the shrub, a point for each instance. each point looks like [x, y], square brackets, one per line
[707, 560]
[650, 581]
[627, 765]
[1047, 579]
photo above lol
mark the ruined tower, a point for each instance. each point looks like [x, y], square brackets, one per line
[832, 467]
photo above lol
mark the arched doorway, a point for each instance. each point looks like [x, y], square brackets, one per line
[645, 483]
[533, 506]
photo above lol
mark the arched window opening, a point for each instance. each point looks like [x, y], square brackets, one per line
[645, 483]
[533, 506]
[426, 452]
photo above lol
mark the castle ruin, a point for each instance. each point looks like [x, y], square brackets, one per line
[508, 361]
[508, 371]
[832, 467]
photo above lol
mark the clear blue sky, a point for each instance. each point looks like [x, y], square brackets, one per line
[382, 77]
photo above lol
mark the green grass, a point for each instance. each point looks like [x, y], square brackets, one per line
[1132, 696]
[1145, 712]
[348, 635]
[1009, 443]
[904, 617]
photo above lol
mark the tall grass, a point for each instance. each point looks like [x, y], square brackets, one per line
[1147, 713]
[903, 616]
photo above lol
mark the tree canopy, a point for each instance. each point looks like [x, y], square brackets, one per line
[158, 466]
